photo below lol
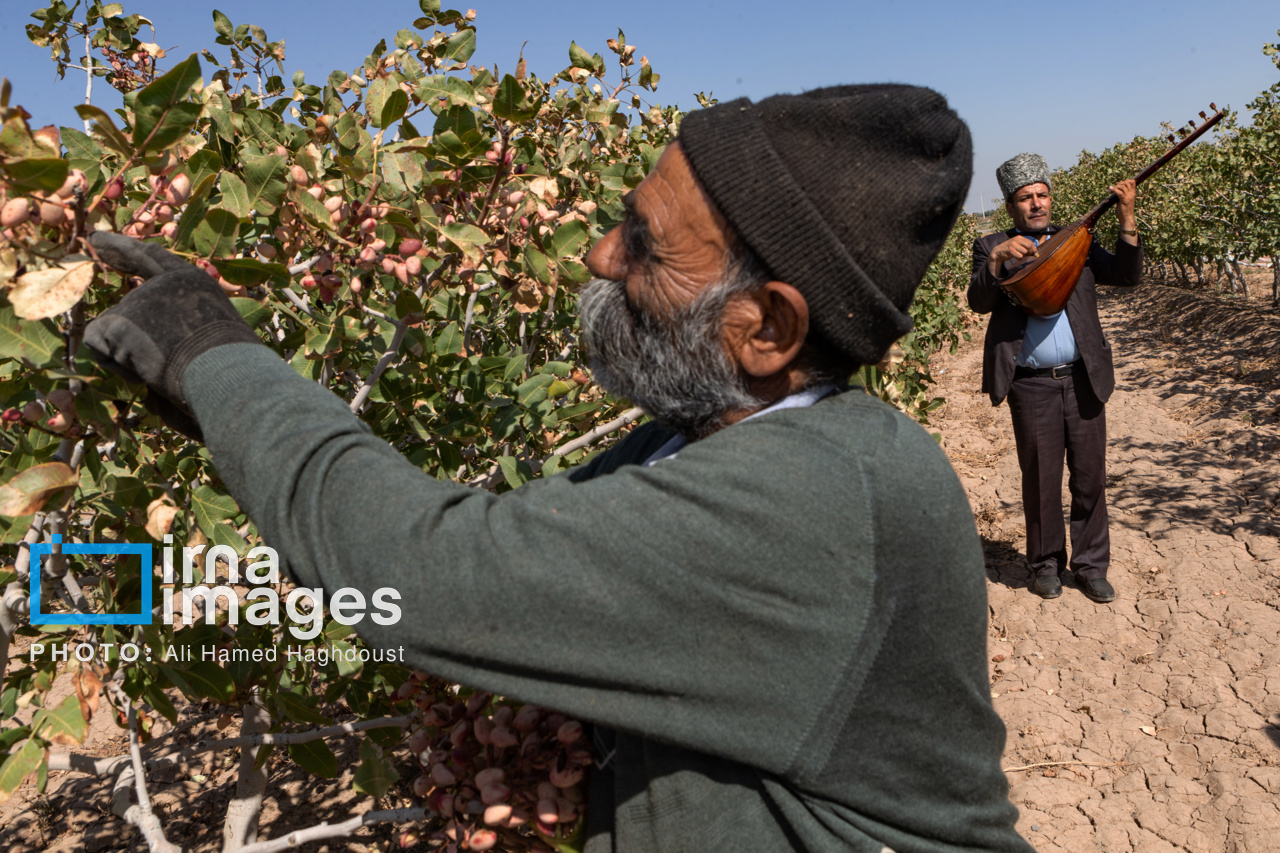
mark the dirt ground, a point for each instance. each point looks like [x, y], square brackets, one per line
[1151, 724]
[73, 814]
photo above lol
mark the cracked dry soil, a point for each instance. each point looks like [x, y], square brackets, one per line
[1151, 724]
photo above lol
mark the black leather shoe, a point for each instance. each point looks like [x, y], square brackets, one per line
[1098, 589]
[1046, 586]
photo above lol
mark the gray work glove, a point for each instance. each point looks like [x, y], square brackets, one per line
[157, 330]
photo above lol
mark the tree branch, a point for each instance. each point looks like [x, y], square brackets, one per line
[336, 830]
[393, 350]
[286, 738]
[498, 177]
[195, 720]
[297, 301]
[304, 266]
[591, 436]
[14, 604]
[1064, 764]
[282, 738]
[135, 757]
[373, 312]
[495, 475]
[108, 765]
[140, 815]
[22, 565]
[88, 60]
[466, 323]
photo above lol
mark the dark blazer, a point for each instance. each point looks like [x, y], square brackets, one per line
[1009, 322]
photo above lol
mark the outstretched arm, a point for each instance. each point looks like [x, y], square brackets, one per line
[650, 599]
[616, 600]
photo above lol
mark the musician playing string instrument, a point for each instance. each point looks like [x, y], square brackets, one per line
[1057, 374]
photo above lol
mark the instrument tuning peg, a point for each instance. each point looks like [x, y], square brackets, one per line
[1171, 139]
[1202, 115]
[1192, 124]
[1213, 106]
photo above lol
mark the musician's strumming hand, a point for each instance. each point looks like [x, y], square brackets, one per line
[1127, 193]
[1011, 250]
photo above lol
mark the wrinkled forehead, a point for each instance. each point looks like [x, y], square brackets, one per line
[1029, 191]
[672, 188]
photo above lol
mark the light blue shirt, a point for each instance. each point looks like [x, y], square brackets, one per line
[1049, 341]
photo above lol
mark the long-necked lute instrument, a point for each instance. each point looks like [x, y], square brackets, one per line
[1043, 286]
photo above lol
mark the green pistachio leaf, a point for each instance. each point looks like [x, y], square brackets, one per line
[215, 237]
[316, 758]
[163, 113]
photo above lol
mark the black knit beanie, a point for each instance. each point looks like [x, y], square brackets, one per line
[847, 193]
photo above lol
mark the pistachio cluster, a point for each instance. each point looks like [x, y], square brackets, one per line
[496, 773]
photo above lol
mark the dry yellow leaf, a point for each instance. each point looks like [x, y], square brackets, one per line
[160, 516]
[528, 298]
[8, 264]
[196, 537]
[47, 293]
[29, 490]
[546, 189]
[88, 690]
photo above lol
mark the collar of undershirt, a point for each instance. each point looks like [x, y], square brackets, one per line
[798, 400]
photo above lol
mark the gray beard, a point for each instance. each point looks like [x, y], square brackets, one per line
[675, 369]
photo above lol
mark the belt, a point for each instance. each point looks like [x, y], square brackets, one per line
[1059, 372]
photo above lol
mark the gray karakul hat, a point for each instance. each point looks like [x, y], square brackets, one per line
[1020, 171]
[846, 193]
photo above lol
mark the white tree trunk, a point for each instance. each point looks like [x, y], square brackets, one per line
[241, 825]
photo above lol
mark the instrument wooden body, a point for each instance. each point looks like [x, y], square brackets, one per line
[1043, 286]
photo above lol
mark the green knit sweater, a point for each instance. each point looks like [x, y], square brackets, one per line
[780, 633]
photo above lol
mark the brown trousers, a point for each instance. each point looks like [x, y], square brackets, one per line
[1052, 417]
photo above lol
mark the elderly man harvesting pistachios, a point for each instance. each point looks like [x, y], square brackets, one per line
[770, 600]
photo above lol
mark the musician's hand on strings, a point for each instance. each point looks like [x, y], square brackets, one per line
[1010, 250]
[1127, 192]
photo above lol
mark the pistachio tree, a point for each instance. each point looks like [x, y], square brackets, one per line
[407, 233]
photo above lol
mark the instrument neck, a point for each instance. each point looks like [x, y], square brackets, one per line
[1091, 218]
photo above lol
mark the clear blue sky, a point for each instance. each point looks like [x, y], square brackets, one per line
[1053, 78]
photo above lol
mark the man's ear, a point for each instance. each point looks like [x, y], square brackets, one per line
[766, 330]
